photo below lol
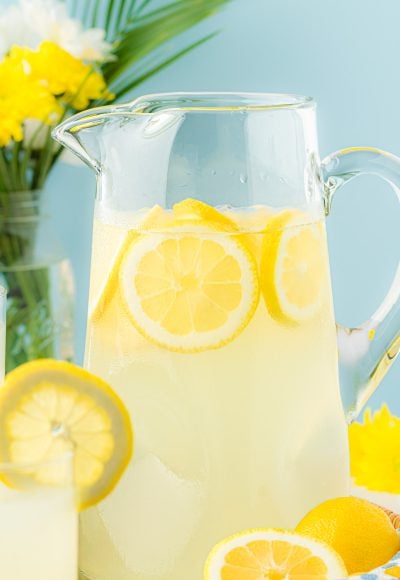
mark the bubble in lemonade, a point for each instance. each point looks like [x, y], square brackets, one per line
[215, 327]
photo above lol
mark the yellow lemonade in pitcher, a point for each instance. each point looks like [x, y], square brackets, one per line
[216, 328]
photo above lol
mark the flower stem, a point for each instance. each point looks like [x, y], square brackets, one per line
[30, 327]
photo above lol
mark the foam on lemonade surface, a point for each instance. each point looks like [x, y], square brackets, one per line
[216, 329]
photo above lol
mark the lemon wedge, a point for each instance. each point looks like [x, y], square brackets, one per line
[293, 267]
[273, 554]
[48, 407]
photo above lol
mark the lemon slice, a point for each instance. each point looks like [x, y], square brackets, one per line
[253, 220]
[189, 213]
[293, 267]
[154, 219]
[107, 253]
[189, 292]
[48, 407]
[275, 555]
[194, 210]
[252, 223]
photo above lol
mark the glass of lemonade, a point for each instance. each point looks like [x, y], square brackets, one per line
[210, 314]
[38, 524]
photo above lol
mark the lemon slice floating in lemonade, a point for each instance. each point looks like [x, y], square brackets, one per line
[48, 407]
[190, 212]
[191, 287]
[293, 267]
[194, 210]
[273, 554]
[185, 279]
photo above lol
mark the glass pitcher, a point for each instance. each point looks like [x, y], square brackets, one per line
[211, 315]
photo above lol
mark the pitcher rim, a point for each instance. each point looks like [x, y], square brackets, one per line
[219, 100]
[153, 103]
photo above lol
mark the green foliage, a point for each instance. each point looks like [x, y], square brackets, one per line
[140, 31]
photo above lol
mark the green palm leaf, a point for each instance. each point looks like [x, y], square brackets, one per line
[142, 74]
[148, 32]
[140, 34]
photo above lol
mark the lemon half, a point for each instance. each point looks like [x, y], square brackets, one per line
[273, 554]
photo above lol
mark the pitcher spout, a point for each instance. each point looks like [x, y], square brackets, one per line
[81, 133]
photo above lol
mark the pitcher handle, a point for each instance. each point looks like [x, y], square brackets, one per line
[367, 352]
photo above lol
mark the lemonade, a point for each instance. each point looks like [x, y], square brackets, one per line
[216, 329]
[38, 534]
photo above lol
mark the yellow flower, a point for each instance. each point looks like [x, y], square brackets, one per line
[63, 74]
[41, 84]
[22, 97]
[10, 126]
[375, 451]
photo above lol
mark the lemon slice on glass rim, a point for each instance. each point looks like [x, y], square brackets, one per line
[272, 553]
[293, 267]
[50, 407]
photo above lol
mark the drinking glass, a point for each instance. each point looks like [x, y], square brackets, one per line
[38, 523]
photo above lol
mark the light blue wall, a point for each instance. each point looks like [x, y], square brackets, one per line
[344, 53]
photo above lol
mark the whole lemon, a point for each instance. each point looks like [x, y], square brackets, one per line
[360, 532]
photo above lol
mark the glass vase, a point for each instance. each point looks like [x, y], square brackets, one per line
[38, 277]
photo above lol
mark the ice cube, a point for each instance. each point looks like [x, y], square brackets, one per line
[151, 516]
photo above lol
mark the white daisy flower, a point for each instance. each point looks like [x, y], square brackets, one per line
[32, 21]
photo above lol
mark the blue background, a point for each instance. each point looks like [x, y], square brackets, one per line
[346, 55]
